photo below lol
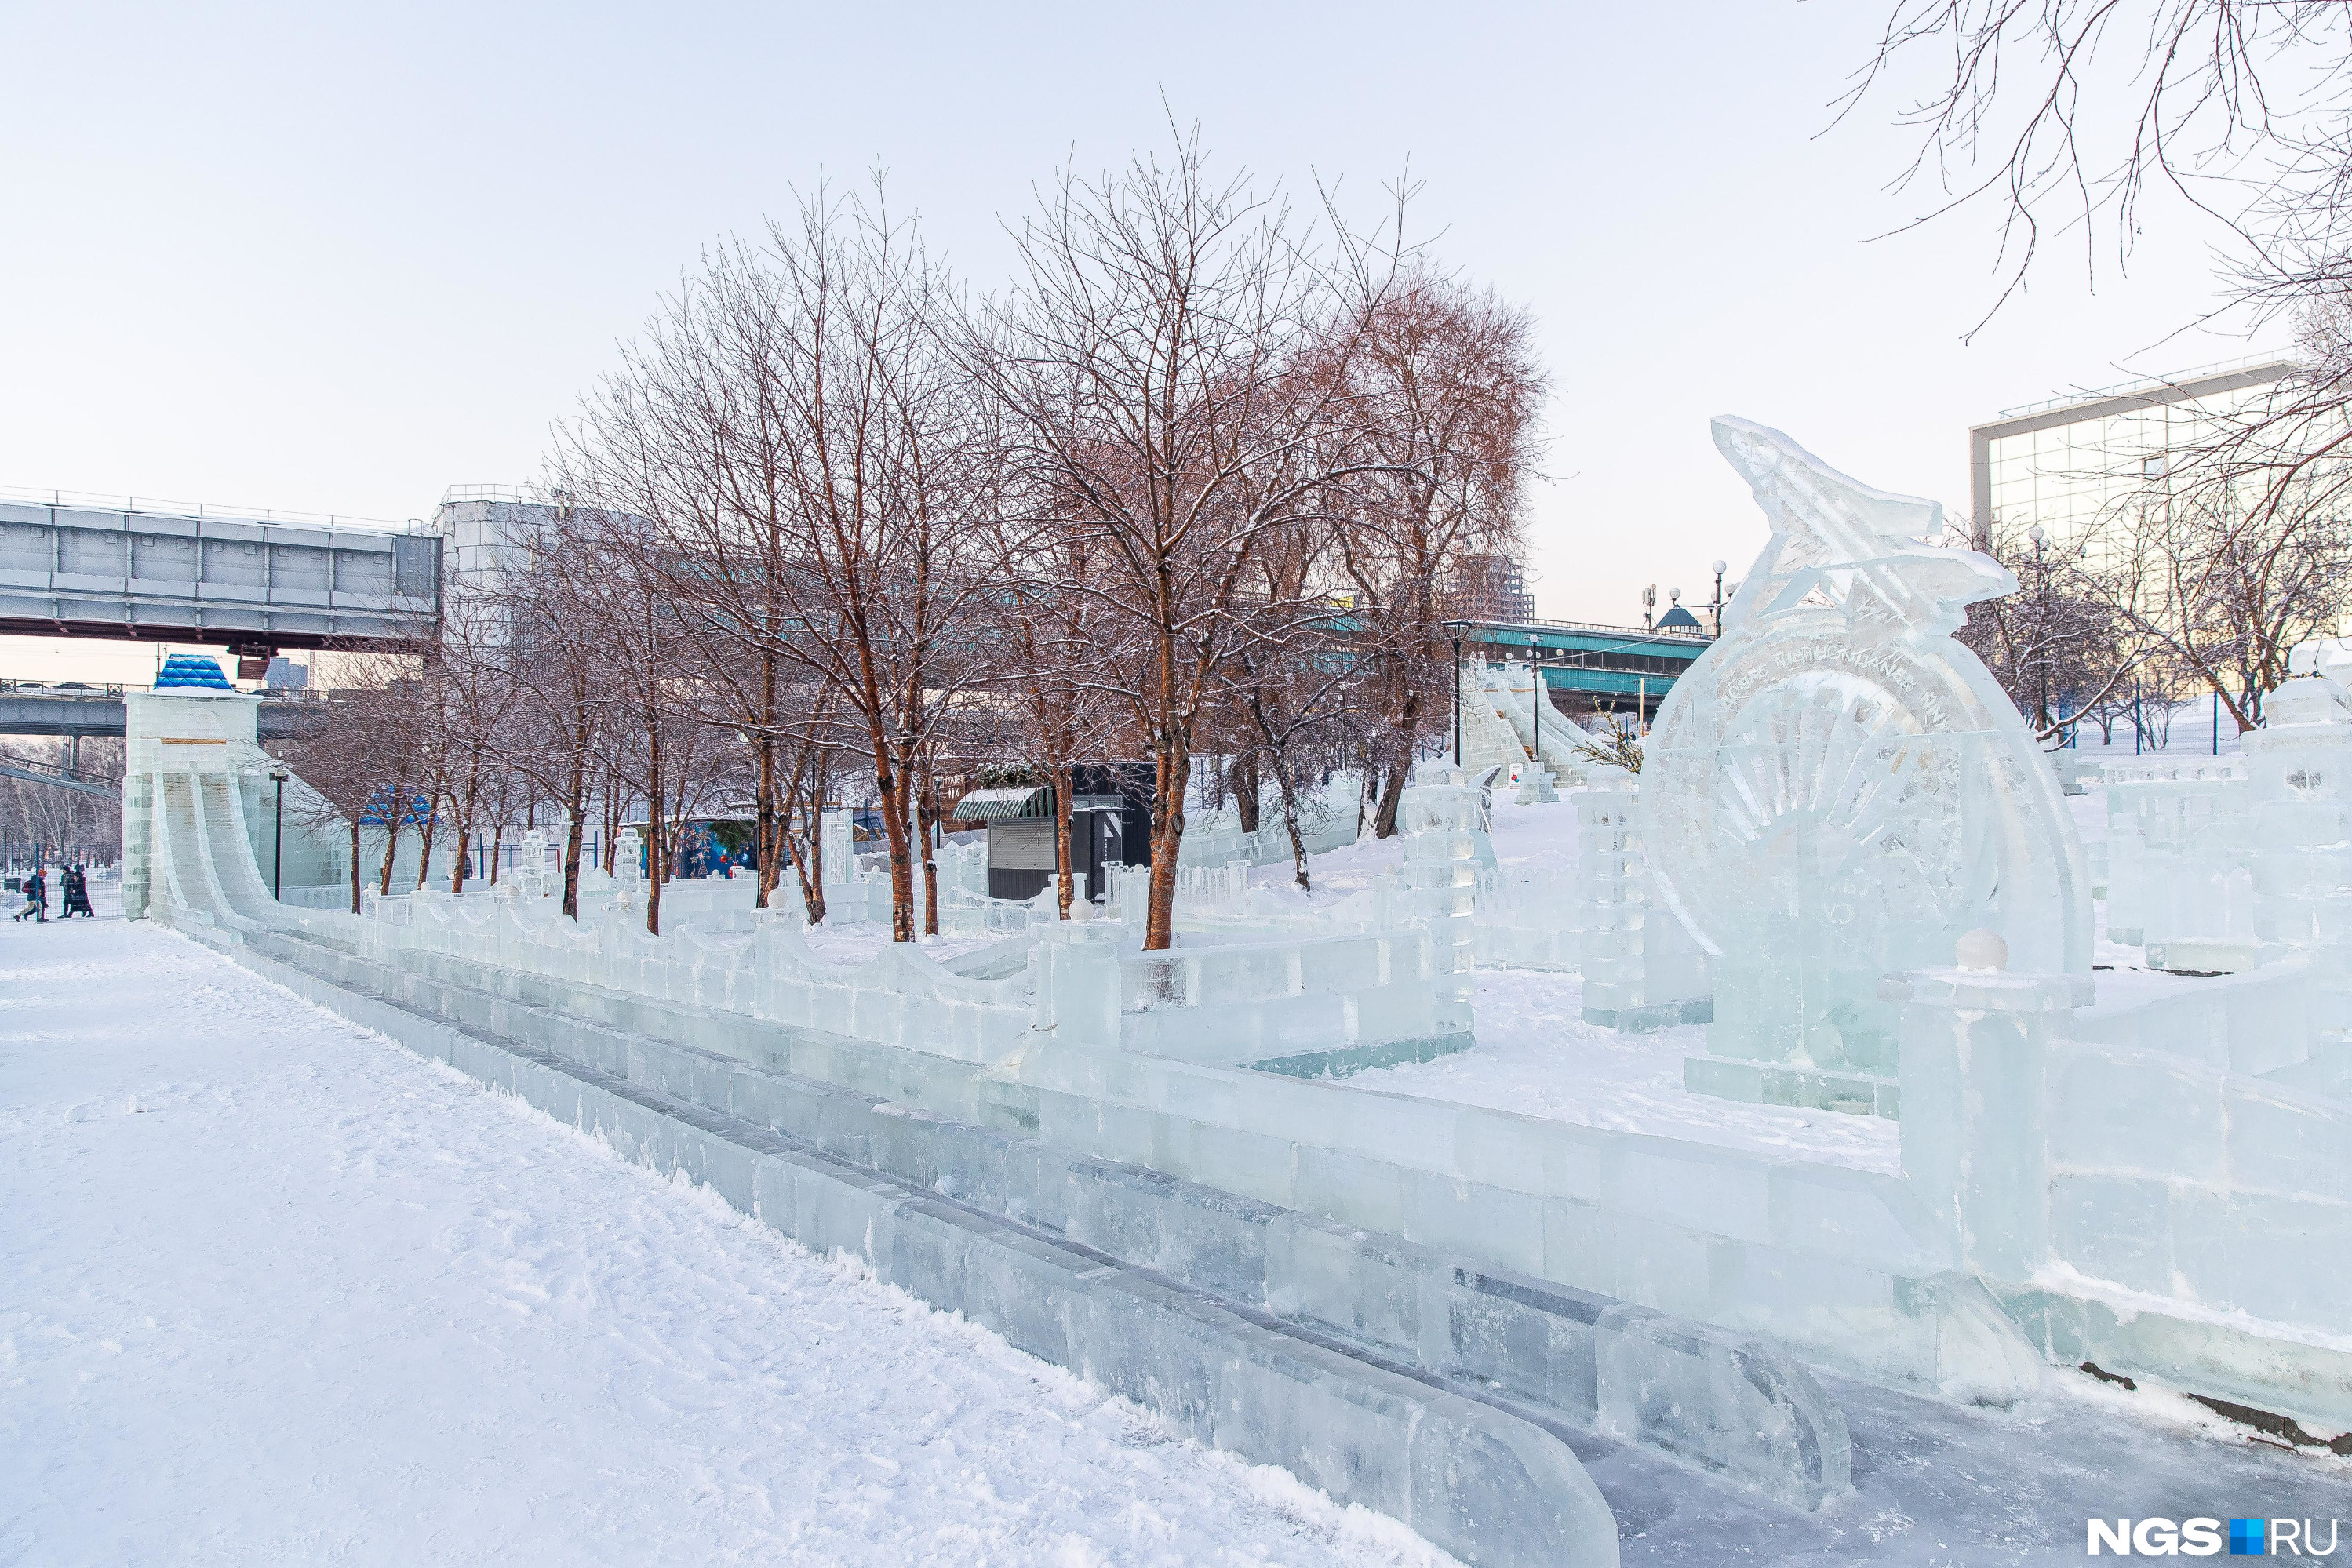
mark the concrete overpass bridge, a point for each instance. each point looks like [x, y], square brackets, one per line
[252, 585]
[71, 709]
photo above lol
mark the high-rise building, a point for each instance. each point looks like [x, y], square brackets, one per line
[1489, 587]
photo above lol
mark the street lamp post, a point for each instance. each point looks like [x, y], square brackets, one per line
[1719, 600]
[2041, 629]
[1535, 696]
[1458, 627]
[278, 776]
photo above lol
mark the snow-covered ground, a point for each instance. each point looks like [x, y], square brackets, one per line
[273, 1289]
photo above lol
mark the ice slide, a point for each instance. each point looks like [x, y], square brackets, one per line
[206, 859]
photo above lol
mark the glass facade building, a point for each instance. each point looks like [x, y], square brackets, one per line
[2072, 465]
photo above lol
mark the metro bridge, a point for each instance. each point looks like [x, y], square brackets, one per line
[252, 585]
[1593, 664]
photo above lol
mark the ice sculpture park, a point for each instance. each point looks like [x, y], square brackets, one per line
[1227, 1180]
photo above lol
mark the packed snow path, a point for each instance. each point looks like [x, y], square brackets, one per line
[273, 1289]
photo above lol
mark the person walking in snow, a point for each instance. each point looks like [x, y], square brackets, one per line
[31, 907]
[36, 898]
[78, 893]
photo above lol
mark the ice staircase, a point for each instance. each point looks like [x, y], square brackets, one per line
[1511, 692]
[1487, 737]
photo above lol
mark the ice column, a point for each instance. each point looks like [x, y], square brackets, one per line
[2301, 763]
[1642, 970]
[535, 871]
[1836, 791]
[1976, 1046]
[1447, 818]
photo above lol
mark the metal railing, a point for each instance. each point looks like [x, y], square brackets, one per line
[60, 689]
[524, 494]
[1537, 623]
[102, 501]
[2148, 383]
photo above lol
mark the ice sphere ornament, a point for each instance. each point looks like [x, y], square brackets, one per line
[1836, 791]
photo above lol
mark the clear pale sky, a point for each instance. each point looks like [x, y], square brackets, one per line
[335, 258]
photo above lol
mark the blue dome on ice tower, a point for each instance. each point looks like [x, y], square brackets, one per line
[192, 672]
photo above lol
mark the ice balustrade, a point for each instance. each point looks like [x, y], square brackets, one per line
[1328, 1004]
[538, 873]
[1487, 737]
[2216, 866]
[1445, 817]
[1327, 820]
[900, 996]
[2156, 810]
[1836, 791]
[963, 912]
[1203, 892]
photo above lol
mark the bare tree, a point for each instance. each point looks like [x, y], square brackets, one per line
[798, 448]
[558, 664]
[1154, 364]
[355, 750]
[1051, 642]
[1290, 676]
[1447, 386]
[2060, 646]
[2225, 588]
[2066, 113]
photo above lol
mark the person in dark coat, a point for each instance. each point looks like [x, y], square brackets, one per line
[78, 893]
[37, 894]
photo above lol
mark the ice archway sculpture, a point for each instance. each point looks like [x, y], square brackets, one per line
[1837, 790]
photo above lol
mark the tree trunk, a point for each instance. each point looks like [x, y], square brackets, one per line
[391, 846]
[355, 863]
[1385, 817]
[657, 862]
[497, 840]
[424, 849]
[764, 834]
[1297, 840]
[808, 857]
[462, 862]
[891, 785]
[1242, 776]
[1171, 774]
[571, 846]
[926, 823]
[1065, 886]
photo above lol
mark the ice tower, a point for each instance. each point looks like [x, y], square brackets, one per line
[1837, 790]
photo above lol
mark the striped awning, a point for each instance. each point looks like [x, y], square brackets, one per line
[997, 805]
